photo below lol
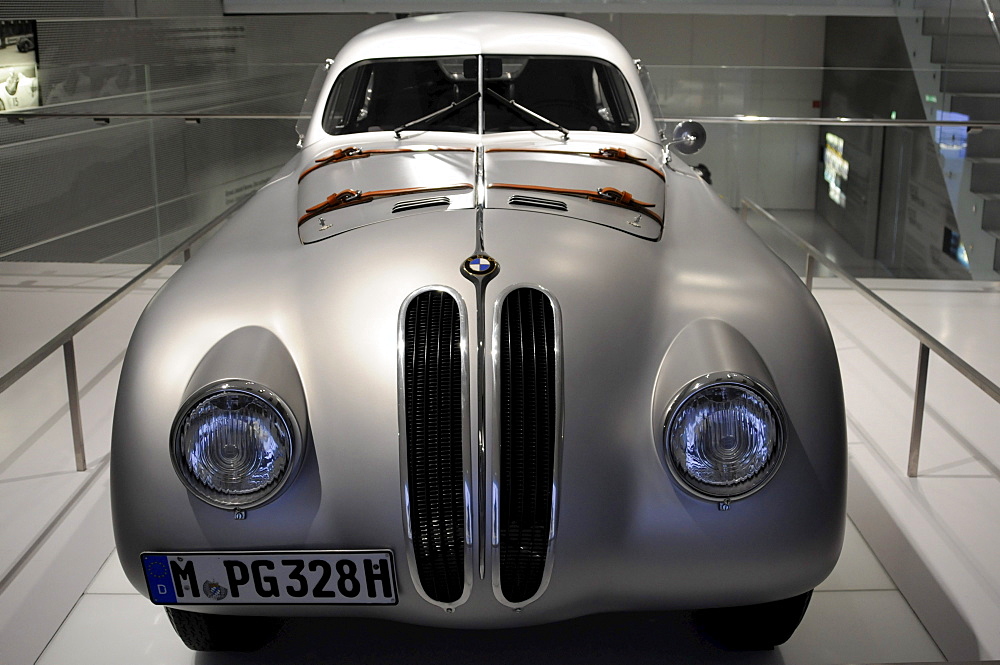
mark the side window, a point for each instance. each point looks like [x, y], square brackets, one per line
[616, 98]
[348, 99]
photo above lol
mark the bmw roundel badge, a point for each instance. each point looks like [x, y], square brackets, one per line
[480, 264]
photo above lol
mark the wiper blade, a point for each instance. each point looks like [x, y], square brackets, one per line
[524, 110]
[454, 106]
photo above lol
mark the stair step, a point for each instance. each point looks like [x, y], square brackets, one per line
[971, 81]
[964, 8]
[966, 49]
[983, 145]
[977, 107]
[985, 178]
[957, 25]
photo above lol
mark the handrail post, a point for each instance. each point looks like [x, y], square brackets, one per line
[919, 395]
[810, 269]
[744, 211]
[187, 254]
[69, 355]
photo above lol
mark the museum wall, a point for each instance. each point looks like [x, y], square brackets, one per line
[895, 206]
[128, 190]
[721, 65]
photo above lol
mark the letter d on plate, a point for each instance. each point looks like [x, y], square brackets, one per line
[158, 579]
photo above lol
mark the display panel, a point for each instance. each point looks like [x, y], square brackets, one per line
[18, 66]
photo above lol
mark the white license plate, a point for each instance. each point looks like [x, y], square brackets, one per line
[278, 578]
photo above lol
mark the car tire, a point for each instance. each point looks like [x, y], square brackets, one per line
[752, 627]
[218, 632]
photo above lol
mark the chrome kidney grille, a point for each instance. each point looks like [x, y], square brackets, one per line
[528, 434]
[432, 375]
[437, 464]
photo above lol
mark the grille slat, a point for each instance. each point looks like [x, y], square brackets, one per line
[433, 401]
[527, 440]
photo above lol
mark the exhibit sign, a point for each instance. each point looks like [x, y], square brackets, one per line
[835, 168]
[18, 66]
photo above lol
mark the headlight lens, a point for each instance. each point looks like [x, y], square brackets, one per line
[724, 436]
[234, 444]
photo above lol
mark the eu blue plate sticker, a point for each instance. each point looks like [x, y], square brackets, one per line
[161, 586]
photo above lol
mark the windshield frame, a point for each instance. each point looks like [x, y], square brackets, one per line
[341, 103]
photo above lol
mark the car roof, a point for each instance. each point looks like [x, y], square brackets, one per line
[468, 33]
[484, 32]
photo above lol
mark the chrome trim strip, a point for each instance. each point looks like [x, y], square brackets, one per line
[480, 197]
[480, 282]
[494, 437]
[411, 563]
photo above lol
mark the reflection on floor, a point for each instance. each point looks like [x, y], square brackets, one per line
[70, 602]
[857, 615]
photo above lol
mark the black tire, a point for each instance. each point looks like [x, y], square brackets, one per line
[218, 632]
[753, 627]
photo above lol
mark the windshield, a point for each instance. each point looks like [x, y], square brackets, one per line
[434, 93]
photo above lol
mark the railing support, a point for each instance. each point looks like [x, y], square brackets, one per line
[927, 342]
[69, 355]
[65, 338]
[919, 395]
[810, 269]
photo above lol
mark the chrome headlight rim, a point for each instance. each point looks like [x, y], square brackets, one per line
[745, 382]
[264, 495]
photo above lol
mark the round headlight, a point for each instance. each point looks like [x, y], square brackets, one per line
[234, 444]
[724, 436]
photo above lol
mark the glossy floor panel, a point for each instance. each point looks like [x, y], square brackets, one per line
[857, 615]
[840, 627]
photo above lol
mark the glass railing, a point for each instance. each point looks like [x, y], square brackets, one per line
[134, 158]
[120, 162]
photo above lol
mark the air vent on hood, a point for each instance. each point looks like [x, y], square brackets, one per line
[415, 204]
[536, 202]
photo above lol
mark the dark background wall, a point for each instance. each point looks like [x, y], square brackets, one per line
[897, 206]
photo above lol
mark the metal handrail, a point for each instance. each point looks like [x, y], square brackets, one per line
[65, 338]
[992, 18]
[197, 116]
[927, 341]
[836, 121]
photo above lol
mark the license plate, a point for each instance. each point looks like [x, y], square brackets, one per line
[278, 578]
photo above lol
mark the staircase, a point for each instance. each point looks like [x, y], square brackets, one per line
[956, 60]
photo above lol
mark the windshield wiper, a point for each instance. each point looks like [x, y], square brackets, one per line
[523, 110]
[454, 106]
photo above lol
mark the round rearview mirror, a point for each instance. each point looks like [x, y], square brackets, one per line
[689, 137]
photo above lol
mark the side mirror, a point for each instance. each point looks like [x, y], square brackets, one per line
[688, 138]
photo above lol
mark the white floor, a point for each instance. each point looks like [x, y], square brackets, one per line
[938, 535]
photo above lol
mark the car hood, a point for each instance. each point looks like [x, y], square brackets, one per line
[342, 188]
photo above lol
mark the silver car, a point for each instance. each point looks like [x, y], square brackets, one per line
[484, 354]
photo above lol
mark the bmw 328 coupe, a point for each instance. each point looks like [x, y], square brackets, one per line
[486, 353]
